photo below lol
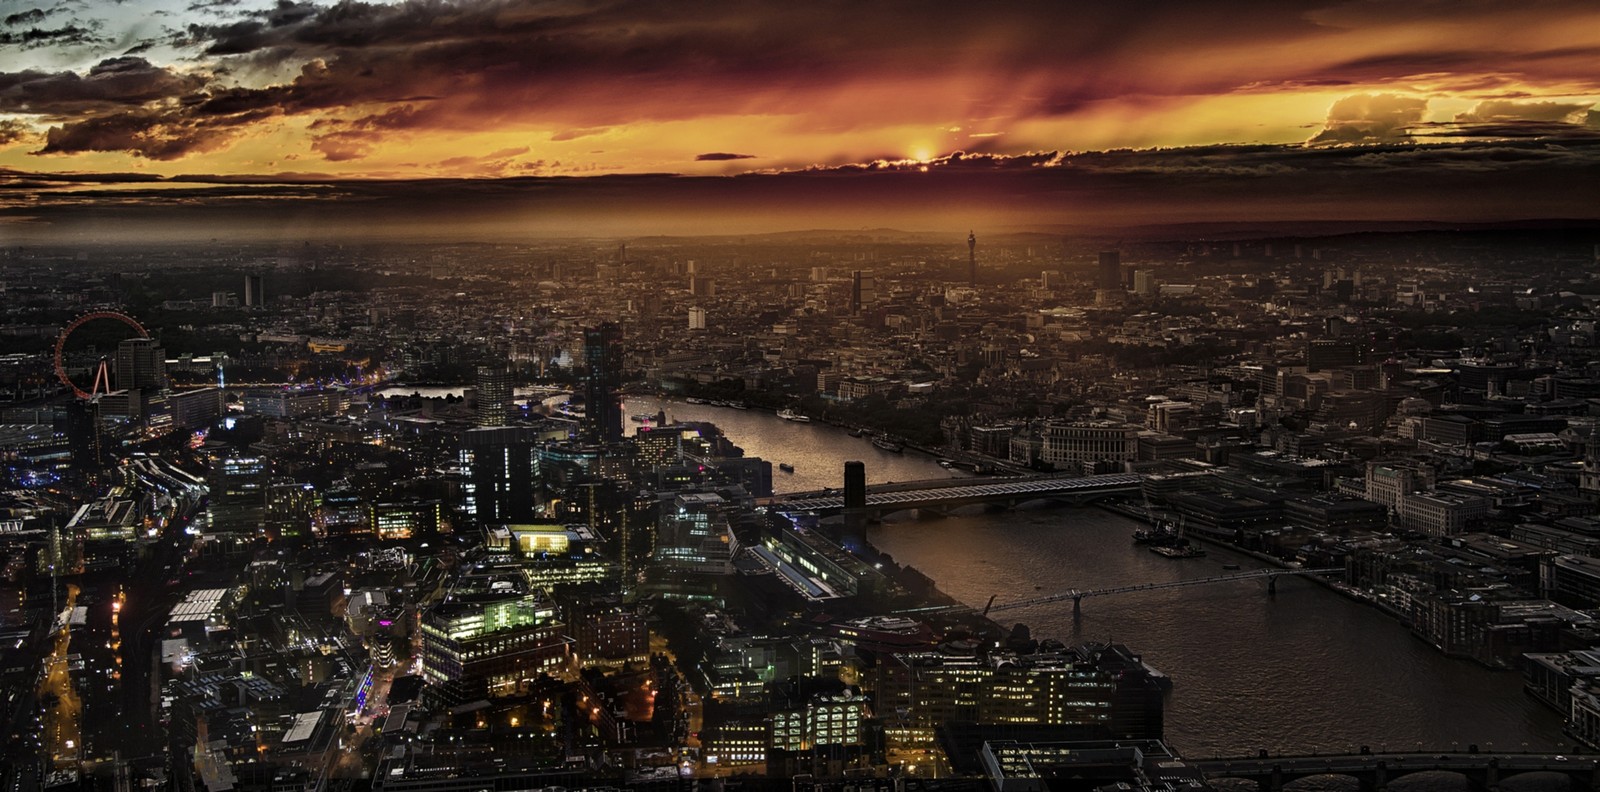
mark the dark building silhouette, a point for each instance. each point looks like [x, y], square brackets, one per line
[855, 485]
[142, 364]
[254, 291]
[501, 466]
[972, 259]
[602, 359]
[1109, 275]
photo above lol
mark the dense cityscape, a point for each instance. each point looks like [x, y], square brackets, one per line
[762, 396]
[487, 516]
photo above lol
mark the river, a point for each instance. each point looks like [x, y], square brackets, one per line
[817, 451]
[1300, 671]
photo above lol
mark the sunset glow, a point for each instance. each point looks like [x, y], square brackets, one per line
[314, 92]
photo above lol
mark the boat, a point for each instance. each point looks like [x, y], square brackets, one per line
[1178, 551]
[641, 418]
[1230, 567]
[947, 463]
[858, 433]
[695, 400]
[791, 415]
[786, 467]
[888, 445]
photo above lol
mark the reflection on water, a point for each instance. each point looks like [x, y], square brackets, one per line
[1304, 670]
[817, 451]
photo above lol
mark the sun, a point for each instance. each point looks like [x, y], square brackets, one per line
[921, 153]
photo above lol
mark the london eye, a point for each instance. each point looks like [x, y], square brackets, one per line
[101, 376]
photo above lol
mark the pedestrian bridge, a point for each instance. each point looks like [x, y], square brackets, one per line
[941, 495]
[1374, 771]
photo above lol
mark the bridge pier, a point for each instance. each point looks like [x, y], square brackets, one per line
[1077, 607]
[1272, 584]
[1275, 781]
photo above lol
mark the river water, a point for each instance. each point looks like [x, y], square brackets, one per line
[817, 451]
[1300, 671]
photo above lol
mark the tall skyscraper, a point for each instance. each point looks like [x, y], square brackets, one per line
[254, 291]
[141, 363]
[1109, 275]
[502, 469]
[494, 395]
[972, 260]
[855, 291]
[602, 358]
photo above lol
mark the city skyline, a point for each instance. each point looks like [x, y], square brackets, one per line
[511, 118]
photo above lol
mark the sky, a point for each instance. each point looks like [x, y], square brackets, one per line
[156, 118]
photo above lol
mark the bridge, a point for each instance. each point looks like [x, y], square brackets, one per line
[941, 495]
[1374, 771]
[1077, 597]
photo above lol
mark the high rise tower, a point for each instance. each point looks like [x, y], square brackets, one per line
[972, 260]
[1109, 276]
[255, 293]
[141, 363]
[602, 358]
[493, 396]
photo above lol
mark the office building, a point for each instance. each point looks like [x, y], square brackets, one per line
[1144, 283]
[1109, 274]
[602, 358]
[502, 465]
[493, 395]
[1090, 446]
[141, 364]
[697, 318]
[255, 294]
[972, 260]
[502, 642]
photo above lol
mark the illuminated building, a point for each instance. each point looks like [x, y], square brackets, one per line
[403, 520]
[501, 464]
[493, 395]
[298, 403]
[825, 720]
[291, 506]
[659, 445]
[503, 642]
[602, 358]
[343, 513]
[1094, 686]
[559, 555]
[104, 519]
[695, 536]
[697, 318]
[238, 491]
[613, 634]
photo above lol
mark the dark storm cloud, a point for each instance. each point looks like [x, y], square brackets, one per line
[719, 156]
[14, 132]
[114, 82]
[27, 17]
[65, 35]
[152, 134]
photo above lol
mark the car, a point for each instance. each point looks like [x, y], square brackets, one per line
[1561, 758]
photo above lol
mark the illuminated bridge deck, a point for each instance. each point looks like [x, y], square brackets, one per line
[955, 492]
